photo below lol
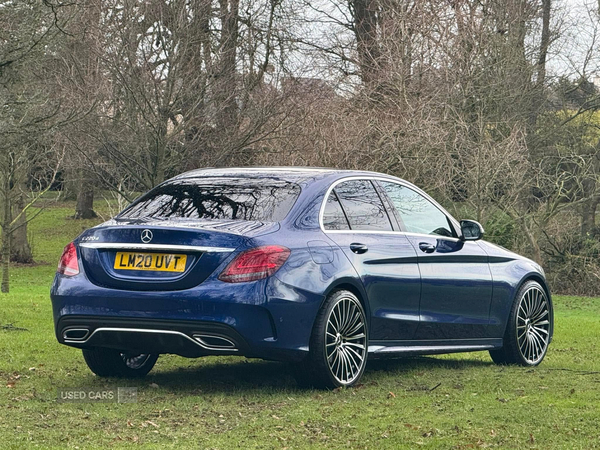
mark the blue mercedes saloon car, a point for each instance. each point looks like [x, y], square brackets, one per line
[323, 268]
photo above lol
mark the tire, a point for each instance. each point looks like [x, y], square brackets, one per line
[338, 345]
[529, 328]
[106, 362]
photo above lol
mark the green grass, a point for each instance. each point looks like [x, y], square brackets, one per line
[455, 401]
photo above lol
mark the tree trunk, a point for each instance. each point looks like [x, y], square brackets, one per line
[544, 42]
[535, 247]
[6, 219]
[70, 186]
[588, 216]
[538, 99]
[20, 250]
[364, 14]
[85, 201]
[227, 71]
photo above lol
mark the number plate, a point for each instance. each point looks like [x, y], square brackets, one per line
[150, 261]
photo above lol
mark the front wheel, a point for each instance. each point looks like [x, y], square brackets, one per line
[338, 345]
[529, 328]
[106, 362]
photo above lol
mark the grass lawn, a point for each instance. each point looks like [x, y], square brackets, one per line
[455, 401]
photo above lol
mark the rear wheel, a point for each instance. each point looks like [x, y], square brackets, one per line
[338, 345]
[106, 362]
[528, 330]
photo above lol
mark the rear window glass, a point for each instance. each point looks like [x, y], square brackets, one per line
[363, 206]
[263, 200]
[333, 217]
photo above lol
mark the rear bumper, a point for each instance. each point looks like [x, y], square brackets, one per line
[266, 319]
[185, 338]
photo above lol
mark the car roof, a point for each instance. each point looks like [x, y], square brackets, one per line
[291, 174]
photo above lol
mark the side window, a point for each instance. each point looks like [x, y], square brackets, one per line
[418, 214]
[363, 206]
[333, 216]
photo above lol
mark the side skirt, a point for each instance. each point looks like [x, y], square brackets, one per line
[401, 348]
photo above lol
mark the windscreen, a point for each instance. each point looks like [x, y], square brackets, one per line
[259, 199]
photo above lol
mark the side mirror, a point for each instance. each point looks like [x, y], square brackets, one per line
[471, 230]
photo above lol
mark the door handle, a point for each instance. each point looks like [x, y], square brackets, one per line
[426, 247]
[358, 248]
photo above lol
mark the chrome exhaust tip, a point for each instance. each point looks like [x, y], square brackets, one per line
[212, 342]
[75, 334]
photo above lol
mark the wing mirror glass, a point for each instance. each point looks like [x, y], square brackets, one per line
[471, 230]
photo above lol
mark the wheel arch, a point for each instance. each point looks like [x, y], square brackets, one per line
[315, 369]
[353, 286]
[537, 277]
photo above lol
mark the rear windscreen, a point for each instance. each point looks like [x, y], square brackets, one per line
[264, 200]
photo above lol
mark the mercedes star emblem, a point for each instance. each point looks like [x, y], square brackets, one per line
[146, 236]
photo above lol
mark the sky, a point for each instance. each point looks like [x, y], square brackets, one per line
[576, 51]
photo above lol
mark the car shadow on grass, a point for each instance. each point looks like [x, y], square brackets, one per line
[233, 375]
[408, 364]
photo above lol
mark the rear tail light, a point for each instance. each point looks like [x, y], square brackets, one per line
[68, 264]
[255, 264]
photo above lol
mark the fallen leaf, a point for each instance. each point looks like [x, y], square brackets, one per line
[531, 439]
[391, 395]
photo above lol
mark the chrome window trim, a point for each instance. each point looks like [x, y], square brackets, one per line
[154, 247]
[403, 233]
[389, 180]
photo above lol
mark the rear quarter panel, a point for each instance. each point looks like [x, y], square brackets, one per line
[297, 291]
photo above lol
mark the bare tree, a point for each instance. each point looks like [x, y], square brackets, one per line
[40, 166]
[30, 41]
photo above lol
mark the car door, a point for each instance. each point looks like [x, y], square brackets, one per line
[357, 221]
[456, 281]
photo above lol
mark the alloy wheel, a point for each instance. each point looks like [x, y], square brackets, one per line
[135, 361]
[533, 325]
[346, 340]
